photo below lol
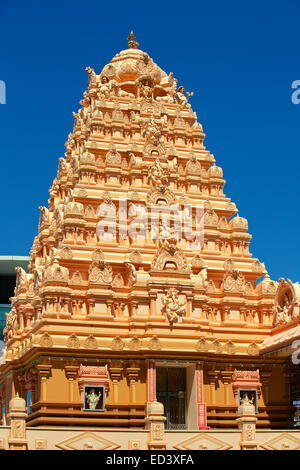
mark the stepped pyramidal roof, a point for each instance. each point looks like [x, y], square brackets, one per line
[139, 249]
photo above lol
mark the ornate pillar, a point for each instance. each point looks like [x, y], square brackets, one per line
[71, 371]
[44, 371]
[287, 375]
[132, 373]
[31, 382]
[189, 299]
[2, 402]
[226, 379]
[155, 423]
[265, 376]
[247, 425]
[115, 372]
[22, 389]
[201, 406]
[226, 312]
[204, 312]
[152, 304]
[212, 377]
[134, 307]
[17, 433]
[151, 381]
[110, 307]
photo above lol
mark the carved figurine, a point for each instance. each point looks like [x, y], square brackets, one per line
[86, 101]
[284, 311]
[182, 98]
[158, 177]
[171, 305]
[152, 130]
[105, 87]
[132, 275]
[245, 400]
[93, 399]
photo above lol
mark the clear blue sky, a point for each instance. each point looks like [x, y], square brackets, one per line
[239, 58]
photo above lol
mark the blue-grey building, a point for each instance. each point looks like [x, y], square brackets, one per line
[8, 283]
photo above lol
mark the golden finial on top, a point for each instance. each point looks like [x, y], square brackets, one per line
[132, 44]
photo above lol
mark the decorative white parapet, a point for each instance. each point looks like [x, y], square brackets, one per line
[17, 414]
[247, 425]
[155, 423]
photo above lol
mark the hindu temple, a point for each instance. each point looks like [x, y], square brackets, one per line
[141, 289]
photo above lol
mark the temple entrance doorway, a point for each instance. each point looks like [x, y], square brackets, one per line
[171, 392]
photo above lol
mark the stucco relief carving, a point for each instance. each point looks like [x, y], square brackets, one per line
[210, 218]
[158, 177]
[135, 257]
[193, 166]
[99, 271]
[135, 344]
[91, 342]
[230, 348]
[169, 256]
[234, 281]
[172, 307]
[77, 278]
[287, 302]
[217, 346]
[253, 349]
[73, 342]
[117, 344]
[202, 345]
[55, 272]
[46, 341]
[131, 273]
[113, 157]
[154, 344]
[11, 324]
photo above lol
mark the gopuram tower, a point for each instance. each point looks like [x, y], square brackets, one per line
[140, 285]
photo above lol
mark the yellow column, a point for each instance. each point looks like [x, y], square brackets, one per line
[265, 380]
[212, 377]
[71, 371]
[132, 373]
[44, 371]
[115, 372]
[226, 379]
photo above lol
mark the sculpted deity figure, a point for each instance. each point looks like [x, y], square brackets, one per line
[171, 305]
[91, 74]
[85, 102]
[11, 324]
[245, 400]
[284, 311]
[104, 88]
[158, 177]
[152, 130]
[167, 239]
[146, 90]
[115, 88]
[182, 98]
[21, 276]
[92, 398]
[132, 275]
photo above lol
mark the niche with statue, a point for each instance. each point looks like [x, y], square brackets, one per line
[248, 396]
[94, 398]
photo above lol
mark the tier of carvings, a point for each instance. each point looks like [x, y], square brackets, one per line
[136, 137]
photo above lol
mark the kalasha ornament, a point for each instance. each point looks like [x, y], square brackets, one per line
[132, 44]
